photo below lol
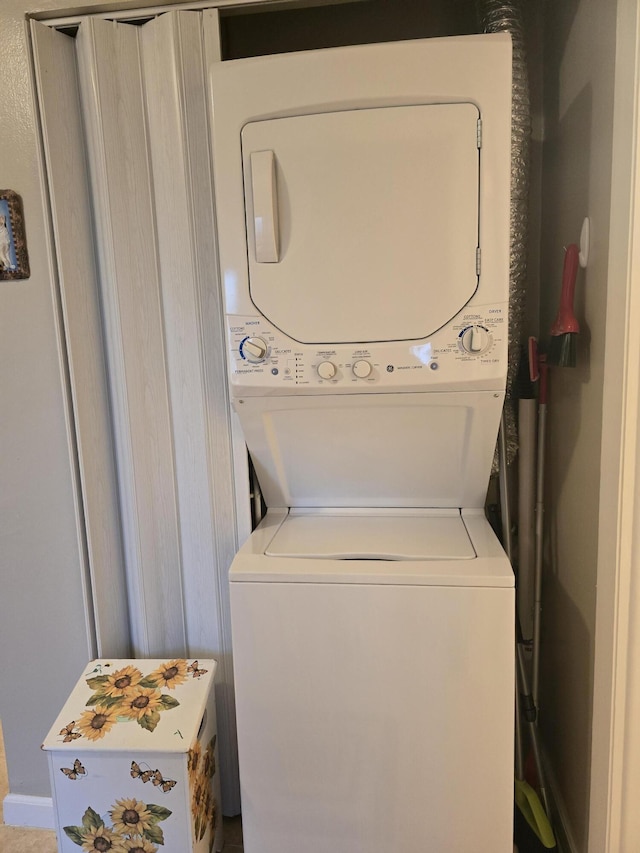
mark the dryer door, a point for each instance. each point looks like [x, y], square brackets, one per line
[363, 224]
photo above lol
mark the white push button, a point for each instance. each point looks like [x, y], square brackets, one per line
[361, 369]
[326, 370]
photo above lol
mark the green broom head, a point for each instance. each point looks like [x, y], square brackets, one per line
[533, 812]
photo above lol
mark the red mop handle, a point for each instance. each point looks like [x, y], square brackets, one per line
[565, 320]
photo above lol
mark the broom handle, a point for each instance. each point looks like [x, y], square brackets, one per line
[522, 694]
[530, 716]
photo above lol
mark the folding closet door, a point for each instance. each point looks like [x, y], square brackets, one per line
[57, 83]
[113, 104]
[176, 50]
[144, 112]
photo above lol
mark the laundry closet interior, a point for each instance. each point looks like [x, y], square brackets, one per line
[370, 404]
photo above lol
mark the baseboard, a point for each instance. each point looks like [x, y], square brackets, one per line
[36, 812]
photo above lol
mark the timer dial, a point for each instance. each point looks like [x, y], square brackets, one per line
[254, 349]
[475, 340]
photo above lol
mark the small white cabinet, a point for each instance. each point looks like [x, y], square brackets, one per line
[133, 759]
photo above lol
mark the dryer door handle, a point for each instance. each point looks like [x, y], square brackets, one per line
[265, 207]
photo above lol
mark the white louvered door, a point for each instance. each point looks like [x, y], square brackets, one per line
[179, 488]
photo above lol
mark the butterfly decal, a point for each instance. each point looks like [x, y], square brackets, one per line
[75, 771]
[165, 784]
[193, 668]
[138, 773]
[154, 776]
[68, 732]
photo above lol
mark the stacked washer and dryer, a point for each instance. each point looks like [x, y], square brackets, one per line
[363, 219]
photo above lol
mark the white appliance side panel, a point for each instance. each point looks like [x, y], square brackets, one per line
[428, 450]
[374, 718]
[377, 221]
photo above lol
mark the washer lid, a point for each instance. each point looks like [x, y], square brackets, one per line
[363, 224]
[432, 534]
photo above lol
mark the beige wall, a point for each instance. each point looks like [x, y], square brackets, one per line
[43, 633]
[579, 76]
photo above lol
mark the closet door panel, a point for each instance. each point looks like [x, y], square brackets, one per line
[175, 92]
[113, 104]
[57, 78]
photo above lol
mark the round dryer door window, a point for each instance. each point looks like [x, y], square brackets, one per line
[362, 225]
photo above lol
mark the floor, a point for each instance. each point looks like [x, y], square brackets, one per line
[15, 839]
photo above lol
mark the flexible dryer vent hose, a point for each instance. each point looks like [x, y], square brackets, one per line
[496, 16]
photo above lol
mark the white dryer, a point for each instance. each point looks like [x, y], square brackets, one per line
[363, 219]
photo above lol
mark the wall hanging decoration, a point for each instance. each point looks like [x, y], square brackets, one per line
[14, 260]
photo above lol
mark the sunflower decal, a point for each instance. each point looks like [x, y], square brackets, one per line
[193, 760]
[139, 845]
[120, 682]
[96, 722]
[100, 838]
[128, 695]
[130, 817]
[204, 807]
[134, 828]
[170, 674]
[141, 702]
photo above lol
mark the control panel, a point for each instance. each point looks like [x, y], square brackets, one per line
[264, 359]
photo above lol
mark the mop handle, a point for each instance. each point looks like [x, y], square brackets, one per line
[537, 598]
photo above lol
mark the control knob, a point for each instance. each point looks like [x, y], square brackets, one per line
[361, 369]
[254, 349]
[326, 370]
[475, 340]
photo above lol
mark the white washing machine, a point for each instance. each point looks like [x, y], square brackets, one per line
[363, 219]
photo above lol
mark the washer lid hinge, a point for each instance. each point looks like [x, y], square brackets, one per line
[479, 133]
[478, 260]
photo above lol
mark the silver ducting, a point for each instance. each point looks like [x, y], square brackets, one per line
[499, 16]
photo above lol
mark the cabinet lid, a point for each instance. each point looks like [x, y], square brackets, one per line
[141, 705]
